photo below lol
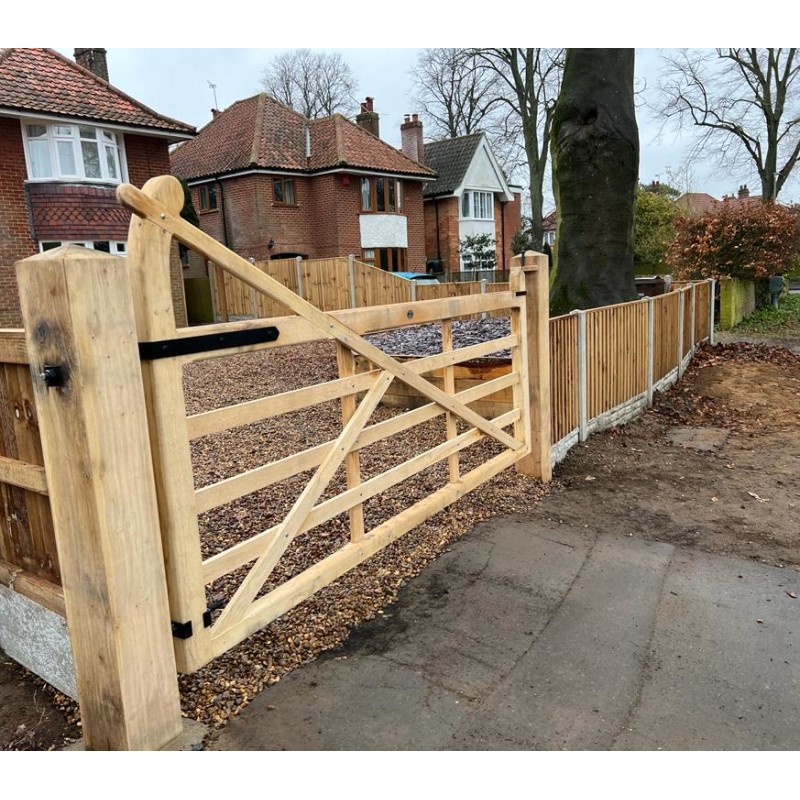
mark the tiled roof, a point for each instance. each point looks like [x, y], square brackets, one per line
[550, 221]
[261, 132]
[40, 80]
[451, 159]
[696, 203]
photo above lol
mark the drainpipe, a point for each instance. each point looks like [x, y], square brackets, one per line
[503, 232]
[222, 211]
[438, 237]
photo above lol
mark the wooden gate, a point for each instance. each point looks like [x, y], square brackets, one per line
[201, 632]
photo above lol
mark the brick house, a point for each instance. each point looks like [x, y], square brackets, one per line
[470, 196]
[270, 183]
[67, 138]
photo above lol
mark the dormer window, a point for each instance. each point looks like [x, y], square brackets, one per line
[73, 152]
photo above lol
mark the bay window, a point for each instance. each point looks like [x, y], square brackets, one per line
[477, 205]
[65, 151]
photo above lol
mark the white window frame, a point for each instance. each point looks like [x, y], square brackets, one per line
[116, 247]
[77, 152]
[478, 202]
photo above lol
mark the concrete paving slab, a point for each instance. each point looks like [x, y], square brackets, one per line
[534, 635]
[720, 679]
[576, 685]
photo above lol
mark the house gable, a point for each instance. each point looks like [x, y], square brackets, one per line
[484, 173]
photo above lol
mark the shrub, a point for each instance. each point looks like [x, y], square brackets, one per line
[736, 240]
[478, 251]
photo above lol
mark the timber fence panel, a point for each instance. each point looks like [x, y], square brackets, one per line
[665, 308]
[564, 375]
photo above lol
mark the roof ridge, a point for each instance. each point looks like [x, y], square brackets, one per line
[288, 108]
[258, 129]
[106, 84]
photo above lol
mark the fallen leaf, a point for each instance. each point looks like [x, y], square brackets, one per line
[760, 499]
[760, 621]
[590, 478]
[714, 499]
[792, 594]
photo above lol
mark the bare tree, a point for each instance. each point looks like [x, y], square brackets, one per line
[746, 104]
[314, 83]
[454, 92]
[528, 82]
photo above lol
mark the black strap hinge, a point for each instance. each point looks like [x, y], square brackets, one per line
[182, 630]
[170, 348]
[521, 294]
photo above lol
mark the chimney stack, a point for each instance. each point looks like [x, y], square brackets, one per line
[368, 119]
[411, 137]
[93, 59]
[744, 191]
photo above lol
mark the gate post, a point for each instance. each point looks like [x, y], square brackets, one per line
[81, 338]
[537, 309]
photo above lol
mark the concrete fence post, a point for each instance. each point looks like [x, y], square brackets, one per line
[583, 417]
[713, 291]
[81, 335]
[351, 272]
[298, 268]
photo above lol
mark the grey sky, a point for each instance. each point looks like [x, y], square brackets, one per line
[175, 82]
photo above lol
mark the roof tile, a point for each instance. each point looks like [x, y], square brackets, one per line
[261, 132]
[40, 80]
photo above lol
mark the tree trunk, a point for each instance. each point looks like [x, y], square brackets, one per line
[595, 147]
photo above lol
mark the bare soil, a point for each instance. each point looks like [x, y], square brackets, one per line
[736, 496]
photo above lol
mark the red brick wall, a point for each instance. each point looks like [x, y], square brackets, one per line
[324, 223]
[15, 238]
[447, 232]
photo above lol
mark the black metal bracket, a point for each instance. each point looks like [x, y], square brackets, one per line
[53, 375]
[182, 630]
[170, 348]
[521, 294]
[214, 606]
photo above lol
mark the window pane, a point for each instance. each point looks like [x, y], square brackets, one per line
[66, 158]
[39, 151]
[465, 204]
[104, 247]
[62, 130]
[391, 194]
[121, 247]
[212, 197]
[91, 160]
[109, 136]
[277, 190]
[88, 133]
[111, 162]
[399, 196]
[35, 131]
[288, 191]
[379, 193]
[366, 203]
[50, 245]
